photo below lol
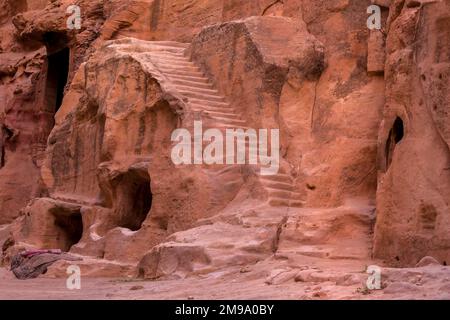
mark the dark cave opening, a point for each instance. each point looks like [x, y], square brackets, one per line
[57, 74]
[5, 135]
[2, 156]
[135, 200]
[398, 130]
[69, 227]
[395, 136]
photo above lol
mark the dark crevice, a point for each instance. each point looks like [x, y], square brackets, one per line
[2, 156]
[7, 134]
[398, 130]
[57, 74]
[270, 6]
[395, 136]
[280, 227]
[55, 42]
[413, 4]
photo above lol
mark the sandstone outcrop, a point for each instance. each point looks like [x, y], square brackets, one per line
[87, 118]
[413, 183]
[110, 190]
[113, 190]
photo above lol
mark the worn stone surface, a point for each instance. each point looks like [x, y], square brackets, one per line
[376, 56]
[414, 181]
[31, 31]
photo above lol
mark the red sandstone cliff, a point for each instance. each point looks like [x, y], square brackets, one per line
[86, 118]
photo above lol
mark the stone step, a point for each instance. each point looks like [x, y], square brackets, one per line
[173, 62]
[169, 55]
[277, 185]
[228, 115]
[174, 50]
[205, 102]
[213, 108]
[197, 89]
[208, 98]
[174, 67]
[171, 44]
[277, 193]
[284, 194]
[182, 73]
[228, 125]
[179, 77]
[297, 203]
[247, 151]
[219, 126]
[317, 251]
[278, 178]
[224, 127]
[227, 120]
[277, 202]
[296, 196]
[187, 83]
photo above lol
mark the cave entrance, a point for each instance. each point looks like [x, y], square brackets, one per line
[6, 134]
[57, 74]
[2, 155]
[134, 199]
[69, 228]
[395, 136]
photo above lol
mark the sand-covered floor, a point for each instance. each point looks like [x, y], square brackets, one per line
[265, 280]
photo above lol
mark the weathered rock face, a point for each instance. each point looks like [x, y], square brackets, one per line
[335, 134]
[88, 117]
[23, 123]
[111, 190]
[33, 72]
[104, 145]
[414, 180]
[109, 152]
[250, 61]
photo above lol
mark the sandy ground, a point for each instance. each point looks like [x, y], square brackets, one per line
[335, 281]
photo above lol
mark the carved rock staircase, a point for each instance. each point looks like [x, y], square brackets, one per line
[202, 97]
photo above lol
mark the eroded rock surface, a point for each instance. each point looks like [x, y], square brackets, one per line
[414, 181]
[86, 119]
